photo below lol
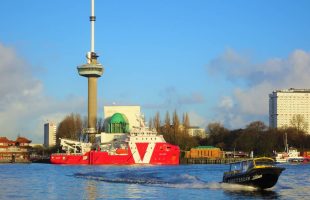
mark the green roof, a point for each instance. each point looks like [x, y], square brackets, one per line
[118, 123]
[205, 147]
[118, 118]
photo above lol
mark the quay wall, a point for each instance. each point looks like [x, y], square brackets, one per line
[15, 161]
[209, 160]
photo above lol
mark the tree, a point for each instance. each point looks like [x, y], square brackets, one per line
[217, 134]
[186, 123]
[100, 125]
[156, 122]
[70, 127]
[151, 122]
[176, 126]
[167, 128]
[257, 126]
[173, 133]
[299, 122]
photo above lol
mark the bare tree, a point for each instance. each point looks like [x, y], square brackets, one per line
[150, 124]
[176, 126]
[100, 125]
[167, 122]
[70, 127]
[186, 123]
[156, 122]
[299, 122]
[257, 126]
[217, 134]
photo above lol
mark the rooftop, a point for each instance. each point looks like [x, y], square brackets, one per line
[205, 147]
[293, 90]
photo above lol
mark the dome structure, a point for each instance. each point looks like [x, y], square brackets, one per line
[118, 123]
[118, 118]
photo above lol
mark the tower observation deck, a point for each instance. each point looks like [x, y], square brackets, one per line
[92, 70]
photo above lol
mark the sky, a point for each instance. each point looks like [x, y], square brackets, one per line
[217, 60]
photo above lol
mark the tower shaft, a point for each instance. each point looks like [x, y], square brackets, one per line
[92, 102]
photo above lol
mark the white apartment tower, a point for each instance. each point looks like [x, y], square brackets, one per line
[285, 104]
[49, 134]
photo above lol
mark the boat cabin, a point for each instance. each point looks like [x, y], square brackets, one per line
[243, 166]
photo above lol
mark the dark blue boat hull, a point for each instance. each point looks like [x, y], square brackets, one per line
[262, 178]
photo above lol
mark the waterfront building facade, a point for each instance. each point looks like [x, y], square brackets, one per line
[204, 152]
[284, 105]
[49, 134]
[14, 151]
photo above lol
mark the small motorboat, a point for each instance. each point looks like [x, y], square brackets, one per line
[258, 172]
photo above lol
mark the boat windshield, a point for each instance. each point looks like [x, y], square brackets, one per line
[235, 166]
[260, 162]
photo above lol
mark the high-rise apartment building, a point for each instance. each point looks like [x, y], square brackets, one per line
[285, 104]
[195, 131]
[49, 134]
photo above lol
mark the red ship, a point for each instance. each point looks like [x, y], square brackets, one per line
[141, 146]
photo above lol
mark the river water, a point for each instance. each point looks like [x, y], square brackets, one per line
[46, 181]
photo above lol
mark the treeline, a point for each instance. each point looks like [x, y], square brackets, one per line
[256, 136]
[174, 129]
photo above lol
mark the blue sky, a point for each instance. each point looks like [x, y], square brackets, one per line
[216, 60]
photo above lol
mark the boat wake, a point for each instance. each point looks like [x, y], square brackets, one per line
[183, 181]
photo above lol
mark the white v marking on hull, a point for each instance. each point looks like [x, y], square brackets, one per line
[147, 156]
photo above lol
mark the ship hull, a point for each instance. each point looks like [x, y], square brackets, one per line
[161, 154]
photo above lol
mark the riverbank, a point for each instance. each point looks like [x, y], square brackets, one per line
[209, 160]
[4, 161]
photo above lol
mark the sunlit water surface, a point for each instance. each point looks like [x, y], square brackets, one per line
[45, 181]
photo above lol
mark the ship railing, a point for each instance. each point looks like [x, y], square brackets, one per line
[142, 132]
[68, 153]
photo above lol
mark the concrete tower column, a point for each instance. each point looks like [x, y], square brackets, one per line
[92, 102]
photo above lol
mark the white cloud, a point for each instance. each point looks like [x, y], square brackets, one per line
[172, 99]
[250, 102]
[226, 103]
[197, 120]
[254, 101]
[24, 107]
